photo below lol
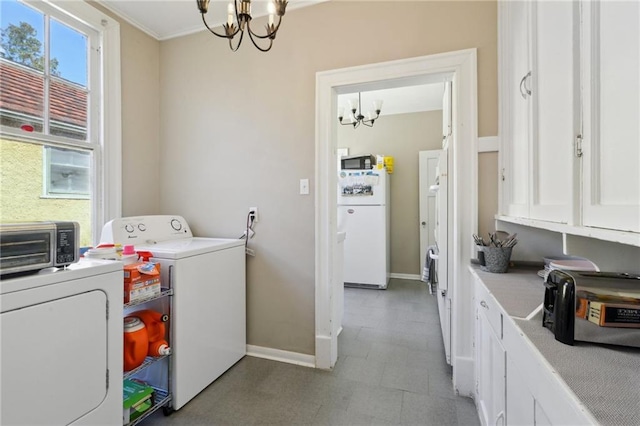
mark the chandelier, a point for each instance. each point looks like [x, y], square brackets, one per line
[355, 117]
[241, 11]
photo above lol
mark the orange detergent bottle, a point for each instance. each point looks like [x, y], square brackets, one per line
[159, 348]
[136, 342]
[154, 321]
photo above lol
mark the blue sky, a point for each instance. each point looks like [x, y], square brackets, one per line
[67, 46]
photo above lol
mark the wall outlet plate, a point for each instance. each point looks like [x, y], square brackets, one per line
[255, 213]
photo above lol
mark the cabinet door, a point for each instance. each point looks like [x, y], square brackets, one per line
[520, 401]
[515, 108]
[554, 123]
[611, 97]
[490, 374]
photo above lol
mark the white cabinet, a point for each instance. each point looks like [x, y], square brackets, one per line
[569, 108]
[538, 119]
[514, 385]
[514, 106]
[490, 360]
[611, 111]
[520, 402]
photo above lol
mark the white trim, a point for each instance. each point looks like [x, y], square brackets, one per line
[463, 152]
[415, 277]
[622, 237]
[488, 144]
[112, 125]
[281, 356]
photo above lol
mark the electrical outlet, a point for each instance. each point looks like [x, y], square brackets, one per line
[250, 252]
[255, 213]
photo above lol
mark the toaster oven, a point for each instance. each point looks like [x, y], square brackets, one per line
[31, 246]
[600, 307]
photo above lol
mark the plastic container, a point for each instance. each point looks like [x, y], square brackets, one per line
[154, 322]
[136, 342]
[159, 348]
[496, 259]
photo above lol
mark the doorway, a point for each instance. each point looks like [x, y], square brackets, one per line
[462, 65]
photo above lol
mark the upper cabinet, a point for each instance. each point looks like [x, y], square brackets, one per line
[569, 108]
[611, 114]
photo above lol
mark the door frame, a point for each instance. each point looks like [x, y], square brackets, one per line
[463, 66]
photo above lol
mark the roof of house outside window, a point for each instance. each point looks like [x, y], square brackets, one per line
[22, 95]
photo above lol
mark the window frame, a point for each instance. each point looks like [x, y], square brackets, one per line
[104, 127]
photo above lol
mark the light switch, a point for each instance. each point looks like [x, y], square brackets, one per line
[304, 186]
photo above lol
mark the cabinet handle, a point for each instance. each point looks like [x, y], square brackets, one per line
[500, 416]
[484, 304]
[523, 89]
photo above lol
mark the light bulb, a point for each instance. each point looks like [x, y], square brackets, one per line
[377, 104]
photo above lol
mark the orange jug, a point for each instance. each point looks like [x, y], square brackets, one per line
[159, 348]
[136, 342]
[154, 321]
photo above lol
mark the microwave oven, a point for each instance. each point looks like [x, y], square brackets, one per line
[600, 307]
[31, 246]
[358, 162]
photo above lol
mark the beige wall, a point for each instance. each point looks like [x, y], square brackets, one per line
[487, 192]
[238, 130]
[401, 136]
[140, 74]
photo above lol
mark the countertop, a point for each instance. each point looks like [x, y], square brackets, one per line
[606, 379]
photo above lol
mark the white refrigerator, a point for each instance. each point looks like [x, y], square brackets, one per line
[363, 213]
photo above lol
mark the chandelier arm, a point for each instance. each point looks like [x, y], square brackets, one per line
[270, 34]
[256, 45]
[237, 45]
[215, 33]
[368, 123]
[345, 124]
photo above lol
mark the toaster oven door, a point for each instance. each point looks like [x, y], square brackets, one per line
[26, 250]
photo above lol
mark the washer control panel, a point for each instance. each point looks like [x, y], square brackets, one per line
[145, 229]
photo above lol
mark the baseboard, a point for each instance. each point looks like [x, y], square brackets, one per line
[282, 356]
[415, 277]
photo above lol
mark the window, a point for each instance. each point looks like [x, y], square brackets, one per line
[67, 173]
[59, 105]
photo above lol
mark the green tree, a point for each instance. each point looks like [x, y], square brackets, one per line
[20, 44]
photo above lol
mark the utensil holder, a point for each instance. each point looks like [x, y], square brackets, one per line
[496, 259]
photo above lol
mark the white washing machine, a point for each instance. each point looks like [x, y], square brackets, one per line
[209, 302]
[61, 346]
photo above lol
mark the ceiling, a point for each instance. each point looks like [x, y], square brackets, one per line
[165, 19]
[400, 100]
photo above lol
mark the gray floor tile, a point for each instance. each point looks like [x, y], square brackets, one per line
[466, 411]
[377, 402]
[391, 370]
[361, 370]
[403, 377]
[420, 409]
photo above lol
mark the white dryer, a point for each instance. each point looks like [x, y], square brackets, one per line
[61, 353]
[209, 302]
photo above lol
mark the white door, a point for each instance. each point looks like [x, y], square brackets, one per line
[516, 107]
[554, 118]
[611, 66]
[428, 163]
[365, 252]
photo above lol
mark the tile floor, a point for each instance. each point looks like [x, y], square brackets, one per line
[390, 371]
